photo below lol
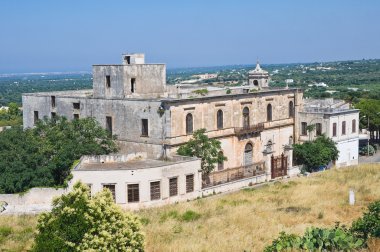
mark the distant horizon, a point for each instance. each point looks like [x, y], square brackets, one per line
[56, 36]
[58, 72]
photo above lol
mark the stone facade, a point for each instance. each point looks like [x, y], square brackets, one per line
[133, 101]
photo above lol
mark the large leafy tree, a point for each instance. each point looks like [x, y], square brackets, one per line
[208, 150]
[313, 154]
[79, 222]
[42, 156]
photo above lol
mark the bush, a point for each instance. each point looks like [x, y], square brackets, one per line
[190, 215]
[78, 222]
[313, 154]
[364, 150]
[317, 239]
[368, 225]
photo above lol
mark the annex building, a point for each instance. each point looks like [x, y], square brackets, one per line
[256, 125]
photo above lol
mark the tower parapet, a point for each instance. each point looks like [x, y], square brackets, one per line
[258, 78]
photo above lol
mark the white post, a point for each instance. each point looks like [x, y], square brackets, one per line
[351, 197]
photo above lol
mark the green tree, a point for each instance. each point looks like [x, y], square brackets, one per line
[42, 156]
[13, 110]
[208, 150]
[78, 222]
[313, 154]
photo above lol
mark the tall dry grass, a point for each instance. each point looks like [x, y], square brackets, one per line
[246, 220]
[251, 218]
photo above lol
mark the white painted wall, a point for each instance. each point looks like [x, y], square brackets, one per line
[143, 177]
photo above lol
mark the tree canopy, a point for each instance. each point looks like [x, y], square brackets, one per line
[43, 155]
[313, 154]
[208, 150]
[79, 222]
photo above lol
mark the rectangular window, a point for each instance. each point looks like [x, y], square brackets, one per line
[76, 116]
[111, 187]
[108, 81]
[76, 105]
[190, 183]
[53, 101]
[304, 128]
[173, 187]
[133, 193]
[353, 126]
[344, 128]
[109, 124]
[155, 190]
[144, 127]
[318, 129]
[35, 117]
[334, 129]
[133, 85]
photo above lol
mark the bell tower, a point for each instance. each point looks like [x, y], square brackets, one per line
[258, 78]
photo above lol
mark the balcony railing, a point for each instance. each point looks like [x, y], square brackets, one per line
[257, 128]
[233, 174]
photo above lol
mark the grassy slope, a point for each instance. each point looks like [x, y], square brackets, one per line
[248, 219]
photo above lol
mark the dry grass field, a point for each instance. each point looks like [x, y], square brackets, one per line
[247, 220]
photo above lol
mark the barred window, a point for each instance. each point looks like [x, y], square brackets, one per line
[219, 119]
[35, 117]
[76, 105]
[144, 127]
[190, 183]
[318, 129]
[334, 129]
[111, 187]
[173, 187]
[155, 190]
[304, 128]
[133, 193]
[344, 128]
[189, 124]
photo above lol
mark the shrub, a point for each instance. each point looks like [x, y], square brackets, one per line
[190, 215]
[317, 239]
[364, 150]
[78, 222]
[368, 225]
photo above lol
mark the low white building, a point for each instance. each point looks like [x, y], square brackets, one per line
[342, 125]
[137, 182]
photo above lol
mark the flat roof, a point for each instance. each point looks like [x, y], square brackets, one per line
[134, 164]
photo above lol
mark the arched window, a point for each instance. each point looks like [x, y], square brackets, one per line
[269, 146]
[290, 140]
[220, 164]
[189, 124]
[291, 109]
[255, 82]
[248, 154]
[353, 126]
[219, 119]
[269, 112]
[246, 117]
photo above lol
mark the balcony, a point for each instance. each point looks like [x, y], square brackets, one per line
[251, 129]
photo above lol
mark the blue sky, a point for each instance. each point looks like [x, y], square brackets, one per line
[72, 35]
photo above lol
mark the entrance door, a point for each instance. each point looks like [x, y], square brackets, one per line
[248, 154]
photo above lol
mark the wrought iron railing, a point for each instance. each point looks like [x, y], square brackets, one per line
[257, 128]
[233, 174]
